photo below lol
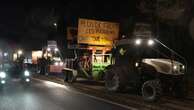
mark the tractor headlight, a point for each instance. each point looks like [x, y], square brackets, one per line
[150, 42]
[2, 75]
[56, 63]
[175, 67]
[26, 73]
[27, 80]
[3, 82]
[61, 63]
[182, 68]
[138, 42]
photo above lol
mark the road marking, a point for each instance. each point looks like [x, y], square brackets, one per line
[107, 101]
[91, 96]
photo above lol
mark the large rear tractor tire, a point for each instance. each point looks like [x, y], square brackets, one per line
[151, 90]
[115, 81]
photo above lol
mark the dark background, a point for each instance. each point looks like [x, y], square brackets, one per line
[30, 24]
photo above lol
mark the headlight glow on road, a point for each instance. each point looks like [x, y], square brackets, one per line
[26, 73]
[2, 75]
[52, 84]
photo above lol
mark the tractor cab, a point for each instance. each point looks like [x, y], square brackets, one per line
[149, 51]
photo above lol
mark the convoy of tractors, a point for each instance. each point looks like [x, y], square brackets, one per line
[141, 61]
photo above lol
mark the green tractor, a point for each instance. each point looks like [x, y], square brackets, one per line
[147, 65]
[83, 63]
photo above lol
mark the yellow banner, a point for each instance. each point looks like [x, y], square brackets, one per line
[97, 32]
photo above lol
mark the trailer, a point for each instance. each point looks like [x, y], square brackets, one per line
[86, 63]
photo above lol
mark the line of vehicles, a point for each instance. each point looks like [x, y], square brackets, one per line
[141, 62]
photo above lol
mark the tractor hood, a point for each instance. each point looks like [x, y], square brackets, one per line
[166, 66]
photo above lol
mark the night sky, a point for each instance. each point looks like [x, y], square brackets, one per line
[30, 24]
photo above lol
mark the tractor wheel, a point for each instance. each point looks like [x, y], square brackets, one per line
[151, 90]
[114, 80]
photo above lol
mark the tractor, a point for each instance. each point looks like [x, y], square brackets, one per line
[83, 63]
[148, 66]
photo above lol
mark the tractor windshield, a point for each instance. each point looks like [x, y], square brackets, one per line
[144, 48]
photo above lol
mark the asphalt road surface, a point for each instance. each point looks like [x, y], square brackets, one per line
[45, 95]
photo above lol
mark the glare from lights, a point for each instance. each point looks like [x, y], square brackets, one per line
[136, 64]
[2, 75]
[27, 80]
[56, 63]
[90, 48]
[61, 63]
[138, 41]
[183, 67]
[49, 49]
[175, 67]
[55, 24]
[150, 42]
[5, 54]
[56, 49]
[3, 82]
[26, 73]
[20, 52]
[52, 84]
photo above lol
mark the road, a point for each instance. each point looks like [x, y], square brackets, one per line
[45, 95]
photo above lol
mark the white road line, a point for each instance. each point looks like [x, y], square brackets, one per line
[94, 97]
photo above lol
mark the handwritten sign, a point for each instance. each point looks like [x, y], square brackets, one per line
[97, 32]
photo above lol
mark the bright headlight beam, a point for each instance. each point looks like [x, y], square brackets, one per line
[56, 49]
[49, 49]
[61, 63]
[175, 67]
[53, 84]
[27, 80]
[136, 64]
[56, 63]
[150, 42]
[3, 82]
[2, 75]
[20, 52]
[183, 67]
[26, 73]
[138, 41]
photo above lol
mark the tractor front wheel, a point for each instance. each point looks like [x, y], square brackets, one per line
[151, 90]
[114, 80]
